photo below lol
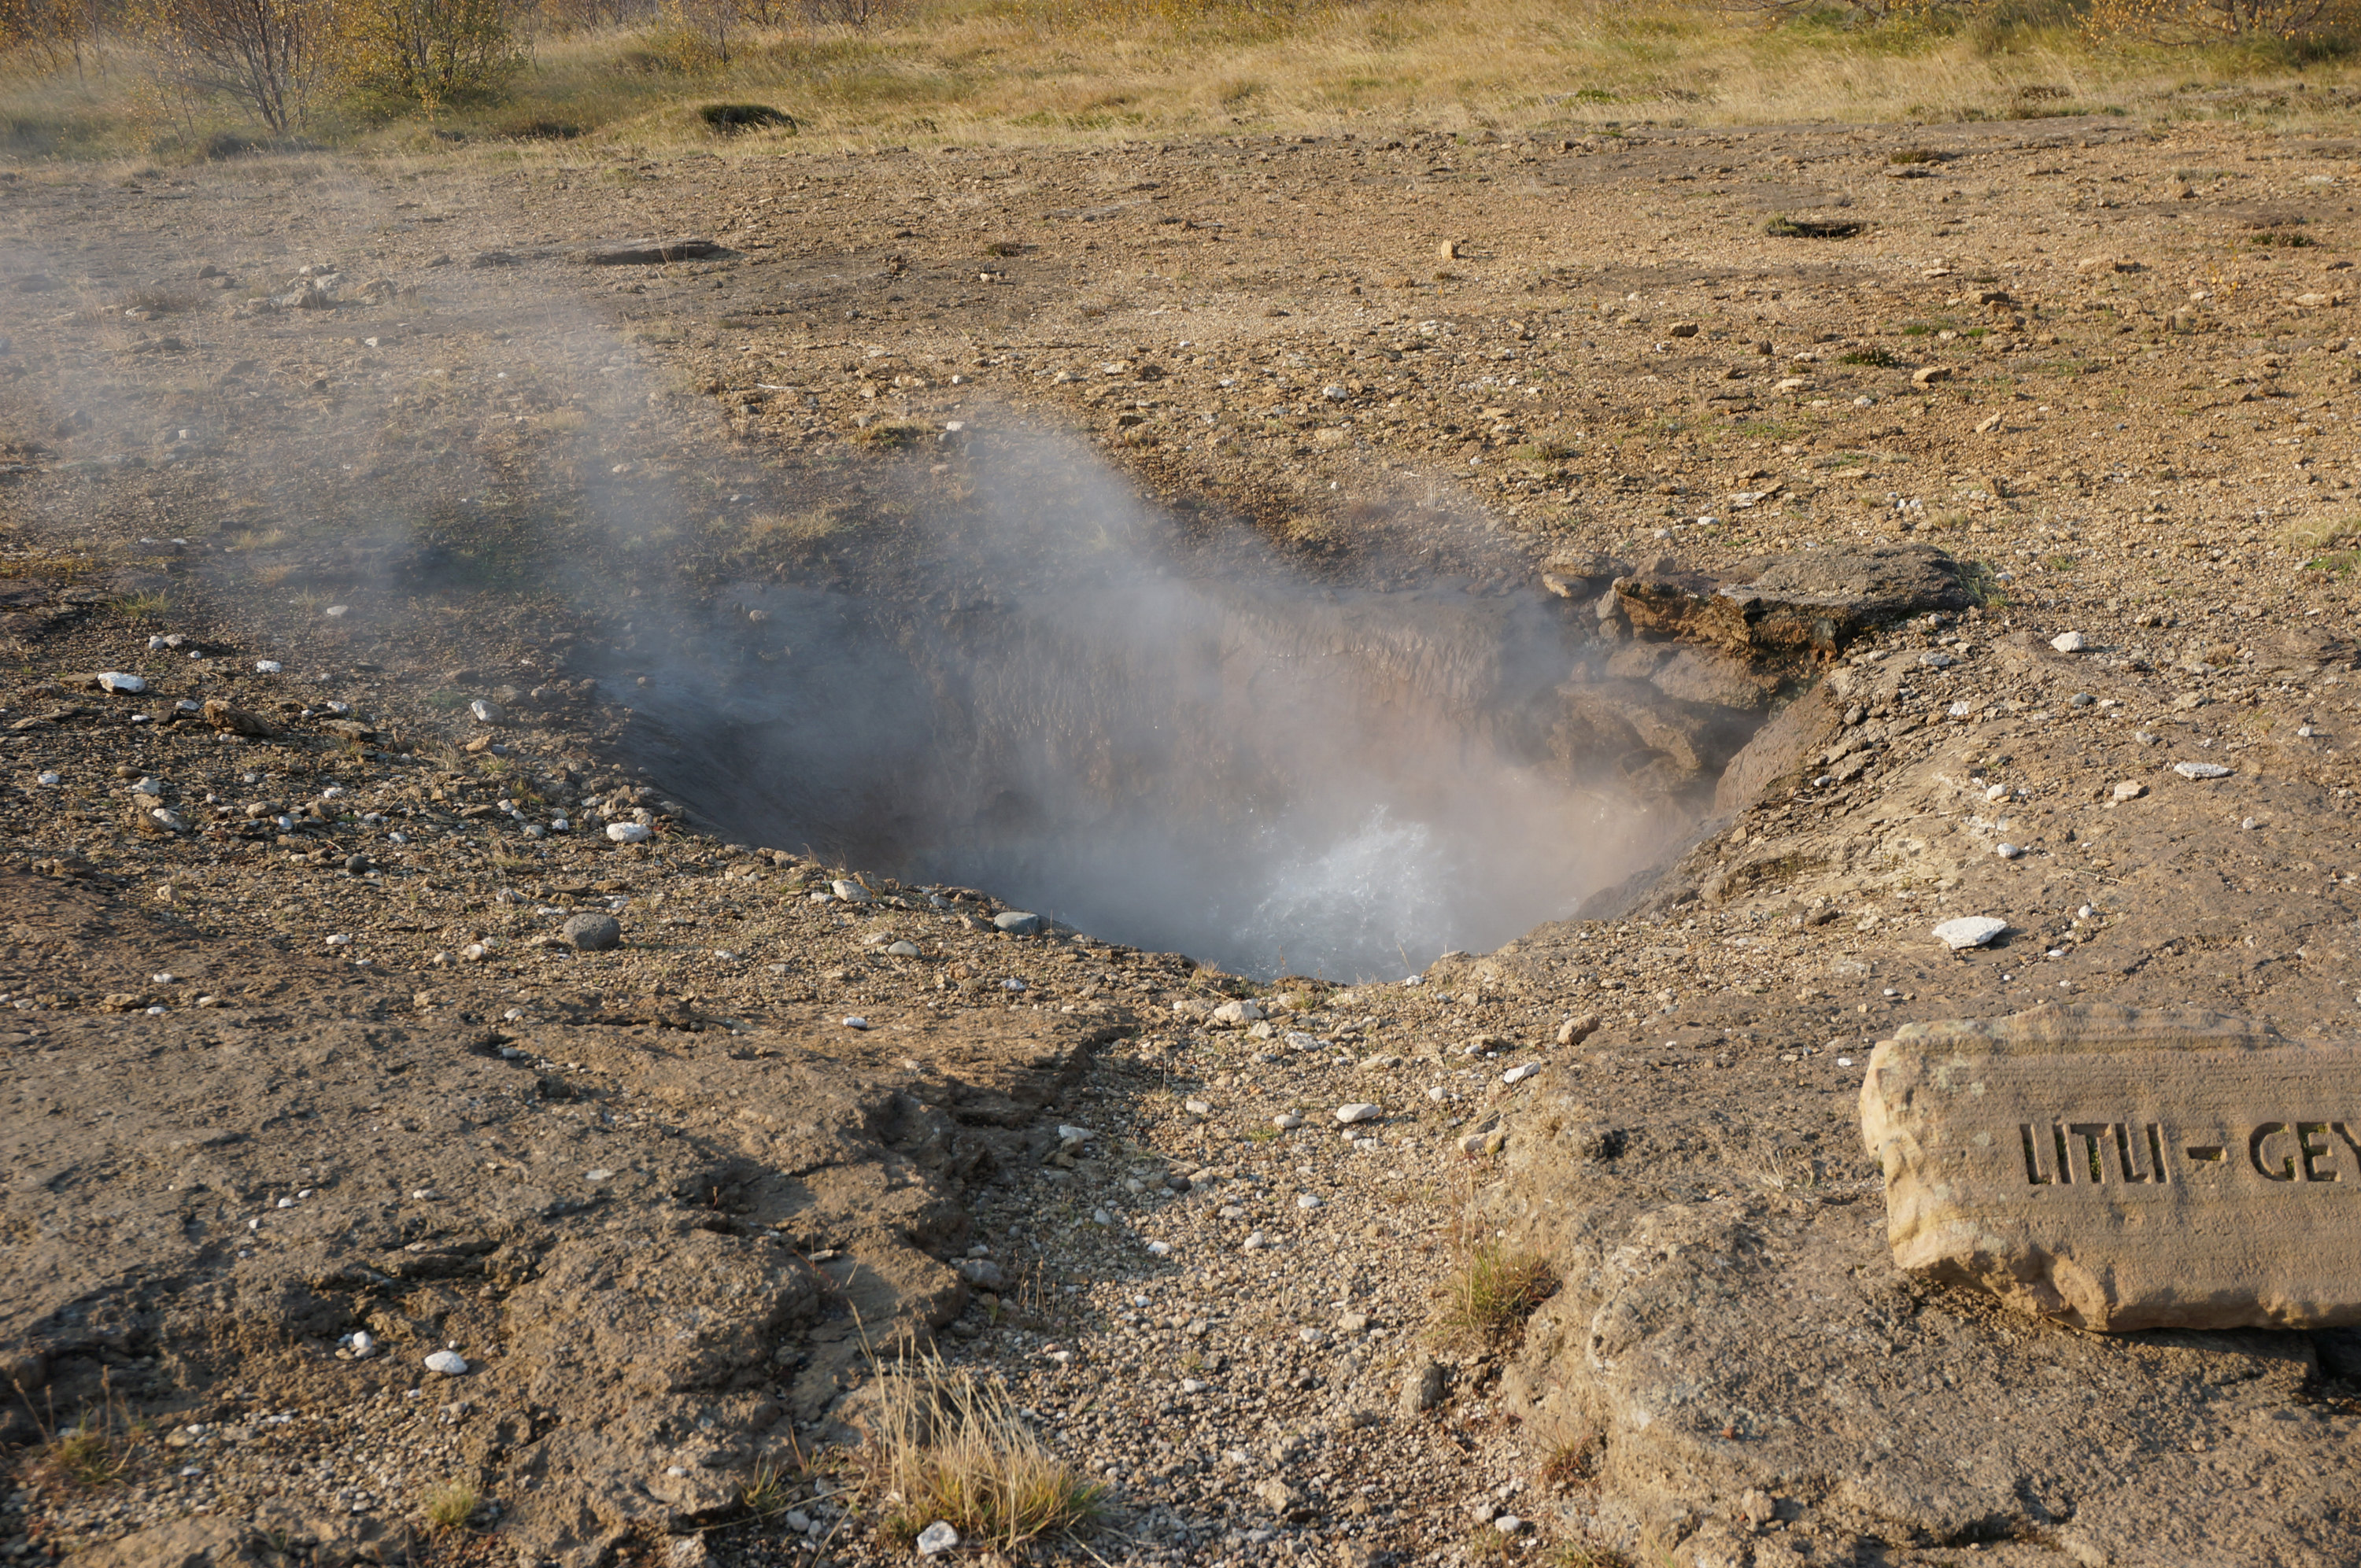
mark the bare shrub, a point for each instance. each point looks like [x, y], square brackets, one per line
[269, 55]
[2216, 21]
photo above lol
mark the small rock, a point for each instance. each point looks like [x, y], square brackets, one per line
[1509, 1524]
[1287, 1121]
[850, 891]
[1018, 923]
[1927, 375]
[856, 1022]
[592, 933]
[485, 712]
[629, 832]
[1422, 1389]
[117, 681]
[1308, 1200]
[1197, 1107]
[982, 1272]
[2008, 851]
[363, 1344]
[1968, 931]
[1348, 1114]
[902, 949]
[937, 1538]
[449, 1363]
[1519, 1074]
[2200, 770]
[2130, 789]
[1236, 1014]
[269, 667]
[1576, 1030]
[2070, 642]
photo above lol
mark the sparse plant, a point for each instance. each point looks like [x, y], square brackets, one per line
[951, 1445]
[1879, 359]
[1492, 1293]
[770, 1488]
[149, 603]
[94, 1452]
[450, 1506]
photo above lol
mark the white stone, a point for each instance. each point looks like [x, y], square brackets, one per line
[856, 1022]
[937, 1538]
[2130, 789]
[2008, 851]
[1287, 1121]
[850, 891]
[1509, 1524]
[2200, 770]
[1070, 1134]
[1968, 931]
[1519, 1074]
[1197, 1107]
[2070, 642]
[902, 949]
[1307, 1200]
[1237, 1014]
[117, 681]
[267, 667]
[363, 1344]
[1348, 1114]
[449, 1363]
[629, 832]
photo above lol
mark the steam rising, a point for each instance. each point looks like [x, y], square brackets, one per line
[1211, 756]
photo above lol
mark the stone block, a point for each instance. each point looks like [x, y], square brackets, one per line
[2119, 1170]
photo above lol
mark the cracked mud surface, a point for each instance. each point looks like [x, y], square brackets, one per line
[656, 1196]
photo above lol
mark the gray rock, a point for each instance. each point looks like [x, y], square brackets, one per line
[982, 1272]
[1017, 922]
[937, 1538]
[1422, 1389]
[592, 933]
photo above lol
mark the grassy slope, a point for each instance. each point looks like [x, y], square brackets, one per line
[1047, 70]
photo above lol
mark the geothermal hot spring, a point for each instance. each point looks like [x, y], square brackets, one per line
[1208, 753]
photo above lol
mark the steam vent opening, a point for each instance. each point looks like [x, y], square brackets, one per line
[1200, 750]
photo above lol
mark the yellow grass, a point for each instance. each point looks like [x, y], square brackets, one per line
[1056, 70]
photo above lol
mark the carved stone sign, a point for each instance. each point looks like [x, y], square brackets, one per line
[2123, 1170]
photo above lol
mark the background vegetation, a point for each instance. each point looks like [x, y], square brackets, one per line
[150, 78]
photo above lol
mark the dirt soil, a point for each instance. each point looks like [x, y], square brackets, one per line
[326, 452]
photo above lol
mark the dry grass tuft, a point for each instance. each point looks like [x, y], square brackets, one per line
[450, 1506]
[1495, 1290]
[950, 1445]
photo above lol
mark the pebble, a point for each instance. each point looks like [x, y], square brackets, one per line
[902, 949]
[1018, 923]
[1519, 1074]
[592, 933]
[2070, 642]
[1256, 1242]
[629, 832]
[982, 1272]
[1237, 1013]
[2008, 851]
[117, 681]
[1197, 1107]
[449, 1363]
[2200, 770]
[1348, 1114]
[363, 1344]
[937, 1538]
[1509, 1524]
[1968, 931]
[484, 711]
[1307, 1200]
[850, 891]
[856, 1022]
[1287, 1121]
[1160, 1249]
[2130, 789]
[268, 667]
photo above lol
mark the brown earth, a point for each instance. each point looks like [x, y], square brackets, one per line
[659, 1196]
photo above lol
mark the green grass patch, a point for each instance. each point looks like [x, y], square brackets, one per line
[1879, 358]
